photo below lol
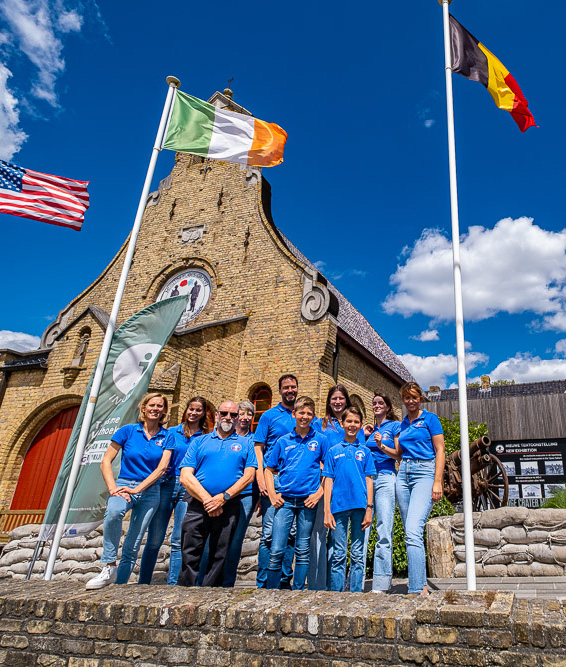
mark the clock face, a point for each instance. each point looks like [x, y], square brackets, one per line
[194, 282]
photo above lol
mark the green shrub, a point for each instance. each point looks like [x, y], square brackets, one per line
[442, 508]
[557, 501]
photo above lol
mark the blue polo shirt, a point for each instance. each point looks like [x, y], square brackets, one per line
[274, 423]
[389, 429]
[140, 454]
[415, 437]
[298, 460]
[348, 464]
[334, 431]
[219, 462]
[179, 443]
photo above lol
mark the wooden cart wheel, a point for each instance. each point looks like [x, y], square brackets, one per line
[493, 486]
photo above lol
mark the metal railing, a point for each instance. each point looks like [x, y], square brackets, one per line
[10, 519]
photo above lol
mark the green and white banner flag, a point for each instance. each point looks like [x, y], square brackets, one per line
[135, 348]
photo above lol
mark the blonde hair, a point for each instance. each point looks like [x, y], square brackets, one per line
[145, 400]
[304, 402]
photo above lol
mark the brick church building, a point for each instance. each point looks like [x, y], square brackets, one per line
[258, 308]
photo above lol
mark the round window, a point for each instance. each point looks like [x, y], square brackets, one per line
[194, 282]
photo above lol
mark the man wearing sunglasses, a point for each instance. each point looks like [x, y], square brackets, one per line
[216, 468]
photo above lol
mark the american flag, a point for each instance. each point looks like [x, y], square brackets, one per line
[30, 194]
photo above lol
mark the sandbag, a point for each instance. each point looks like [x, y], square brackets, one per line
[25, 531]
[515, 535]
[16, 556]
[504, 516]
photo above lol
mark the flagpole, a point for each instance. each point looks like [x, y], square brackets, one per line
[173, 83]
[459, 314]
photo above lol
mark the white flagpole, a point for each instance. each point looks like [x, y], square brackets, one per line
[460, 346]
[173, 83]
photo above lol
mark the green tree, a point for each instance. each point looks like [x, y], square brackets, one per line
[500, 383]
[451, 428]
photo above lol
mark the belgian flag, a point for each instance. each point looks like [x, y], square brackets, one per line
[471, 59]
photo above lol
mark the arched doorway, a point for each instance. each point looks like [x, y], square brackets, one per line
[261, 398]
[42, 462]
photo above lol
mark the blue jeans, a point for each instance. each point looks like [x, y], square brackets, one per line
[339, 547]
[318, 556]
[414, 495]
[247, 504]
[384, 513]
[175, 559]
[268, 512]
[292, 509]
[171, 492]
[143, 506]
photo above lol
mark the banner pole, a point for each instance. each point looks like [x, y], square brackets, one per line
[173, 83]
[459, 313]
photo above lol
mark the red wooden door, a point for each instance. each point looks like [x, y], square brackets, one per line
[42, 462]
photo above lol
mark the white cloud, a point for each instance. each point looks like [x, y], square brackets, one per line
[427, 335]
[338, 275]
[70, 21]
[513, 268]
[11, 136]
[436, 370]
[32, 31]
[560, 347]
[524, 367]
[16, 340]
[429, 122]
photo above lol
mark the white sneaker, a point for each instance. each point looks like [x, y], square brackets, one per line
[107, 576]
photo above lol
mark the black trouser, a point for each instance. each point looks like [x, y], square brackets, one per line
[198, 527]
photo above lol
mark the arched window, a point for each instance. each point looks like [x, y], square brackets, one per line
[261, 398]
[357, 401]
[42, 462]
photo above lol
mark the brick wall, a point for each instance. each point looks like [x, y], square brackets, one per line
[61, 624]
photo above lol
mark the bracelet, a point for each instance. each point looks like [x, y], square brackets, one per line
[369, 507]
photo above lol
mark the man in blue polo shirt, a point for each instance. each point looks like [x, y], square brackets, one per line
[298, 457]
[216, 468]
[272, 425]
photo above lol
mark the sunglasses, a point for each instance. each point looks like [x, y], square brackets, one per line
[225, 413]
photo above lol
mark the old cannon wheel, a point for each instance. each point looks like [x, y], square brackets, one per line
[492, 485]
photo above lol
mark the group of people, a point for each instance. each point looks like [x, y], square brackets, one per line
[315, 482]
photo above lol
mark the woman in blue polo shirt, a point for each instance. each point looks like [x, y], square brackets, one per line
[172, 493]
[382, 447]
[419, 482]
[141, 465]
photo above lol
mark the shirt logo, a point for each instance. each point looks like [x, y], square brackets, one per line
[236, 447]
[360, 456]
[418, 424]
[312, 446]
[290, 447]
[339, 456]
[159, 443]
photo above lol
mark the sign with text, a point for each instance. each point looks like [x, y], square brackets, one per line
[535, 468]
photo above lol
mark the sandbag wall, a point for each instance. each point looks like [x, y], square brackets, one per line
[79, 557]
[509, 542]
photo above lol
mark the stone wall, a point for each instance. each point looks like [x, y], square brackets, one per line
[78, 558]
[61, 624]
[511, 541]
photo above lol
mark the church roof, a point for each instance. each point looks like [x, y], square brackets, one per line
[355, 324]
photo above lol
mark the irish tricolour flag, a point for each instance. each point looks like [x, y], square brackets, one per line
[201, 129]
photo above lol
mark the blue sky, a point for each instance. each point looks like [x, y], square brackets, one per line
[363, 190]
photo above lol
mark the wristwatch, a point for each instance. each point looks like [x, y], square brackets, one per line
[370, 507]
[226, 496]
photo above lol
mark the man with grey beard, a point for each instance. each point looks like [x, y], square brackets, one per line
[216, 468]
